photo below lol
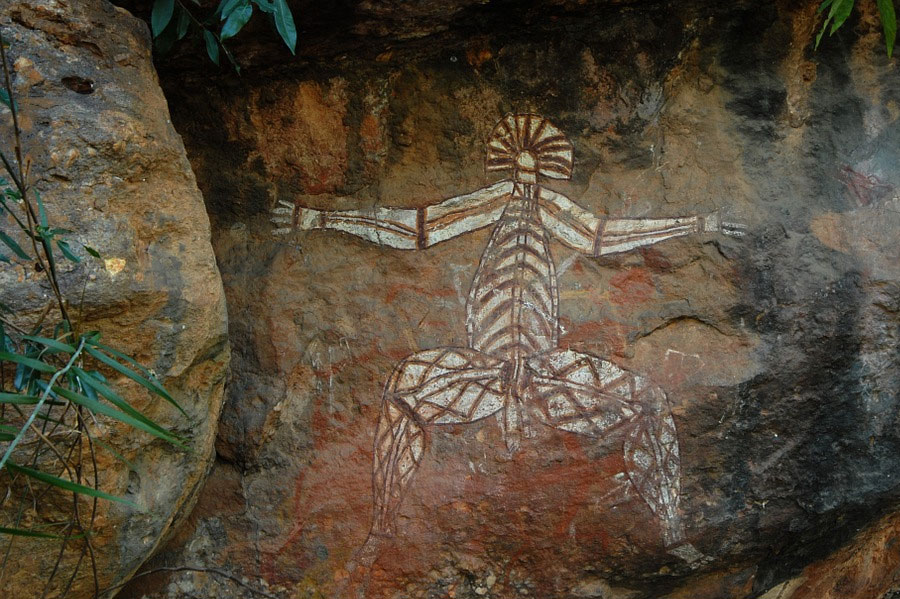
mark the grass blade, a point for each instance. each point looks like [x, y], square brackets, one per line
[18, 398]
[65, 484]
[29, 362]
[151, 386]
[889, 23]
[51, 343]
[15, 247]
[89, 381]
[100, 408]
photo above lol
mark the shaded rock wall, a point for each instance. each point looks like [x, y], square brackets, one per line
[777, 351]
[111, 167]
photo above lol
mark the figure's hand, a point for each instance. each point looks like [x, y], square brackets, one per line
[284, 216]
[714, 222]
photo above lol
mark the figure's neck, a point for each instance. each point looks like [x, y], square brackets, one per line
[522, 189]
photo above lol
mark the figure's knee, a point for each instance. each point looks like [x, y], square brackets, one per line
[651, 398]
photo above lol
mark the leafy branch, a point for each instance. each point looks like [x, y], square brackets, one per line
[53, 395]
[839, 11]
[172, 20]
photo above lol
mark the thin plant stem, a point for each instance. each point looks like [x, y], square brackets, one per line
[40, 403]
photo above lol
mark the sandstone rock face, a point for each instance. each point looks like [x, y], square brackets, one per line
[776, 352]
[111, 167]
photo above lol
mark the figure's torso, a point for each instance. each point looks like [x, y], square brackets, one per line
[512, 311]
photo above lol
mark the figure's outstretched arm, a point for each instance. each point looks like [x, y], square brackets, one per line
[402, 228]
[579, 229]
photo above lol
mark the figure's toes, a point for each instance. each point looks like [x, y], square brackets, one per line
[691, 555]
[734, 229]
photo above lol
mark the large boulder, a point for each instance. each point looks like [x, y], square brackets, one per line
[111, 168]
[777, 351]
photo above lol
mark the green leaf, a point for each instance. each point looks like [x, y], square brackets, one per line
[4, 259]
[226, 7]
[100, 408]
[825, 4]
[5, 99]
[833, 4]
[841, 10]
[822, 32]
[267, 6]
[212, 46]
[889, 23]
[29, 362]
[65, 484]
[149, 385]
[284, 23]
[161, 15]
[67, 251]
[91, 251]
[236, 20]
[51, 343]
[15, 247]
[163, 42]
[184, 20]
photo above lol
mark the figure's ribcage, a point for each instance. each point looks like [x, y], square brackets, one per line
[512, 307]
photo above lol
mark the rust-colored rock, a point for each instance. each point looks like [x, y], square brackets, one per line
[777, 351]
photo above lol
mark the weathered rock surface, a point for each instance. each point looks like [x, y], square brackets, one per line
[111, 167]
[778, 351]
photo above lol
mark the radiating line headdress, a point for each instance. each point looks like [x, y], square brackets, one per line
[529, 145]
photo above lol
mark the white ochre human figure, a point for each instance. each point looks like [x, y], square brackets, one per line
[512, 367]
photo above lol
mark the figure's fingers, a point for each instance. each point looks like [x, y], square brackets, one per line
[283, 214]
[733, 229]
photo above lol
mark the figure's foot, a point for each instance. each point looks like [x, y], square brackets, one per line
[691, 555]
[365, 556]
[354, 583]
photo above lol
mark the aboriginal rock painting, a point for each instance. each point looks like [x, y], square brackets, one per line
[512, 368]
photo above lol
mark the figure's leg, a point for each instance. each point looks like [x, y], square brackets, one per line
[584, 394]
[430, 388]
[399, 445]
[653, 462]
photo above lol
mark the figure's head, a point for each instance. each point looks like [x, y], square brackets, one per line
[529, 145]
